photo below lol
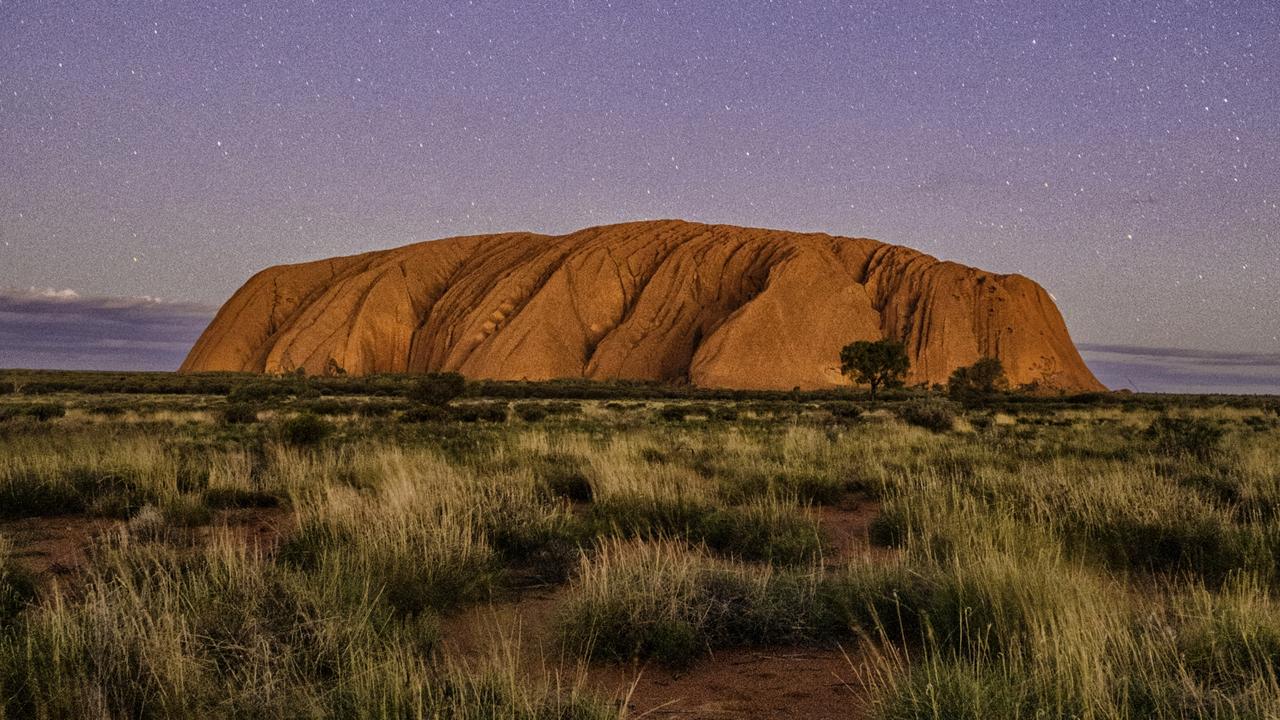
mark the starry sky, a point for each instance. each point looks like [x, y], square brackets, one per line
[1124, 154]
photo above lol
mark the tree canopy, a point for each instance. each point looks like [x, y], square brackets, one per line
[876, 363]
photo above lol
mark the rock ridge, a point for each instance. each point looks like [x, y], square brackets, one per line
[666, 300]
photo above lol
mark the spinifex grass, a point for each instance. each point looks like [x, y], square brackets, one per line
[1047, 560]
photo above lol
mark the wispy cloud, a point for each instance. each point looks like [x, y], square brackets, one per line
[1183, 371]
[61, 329]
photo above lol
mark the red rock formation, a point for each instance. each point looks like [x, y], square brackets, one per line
[715, 305]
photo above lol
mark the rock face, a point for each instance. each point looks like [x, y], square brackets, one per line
[713, 305]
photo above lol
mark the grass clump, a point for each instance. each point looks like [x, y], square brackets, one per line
[667, 602]
[17, 587]
[762, 530]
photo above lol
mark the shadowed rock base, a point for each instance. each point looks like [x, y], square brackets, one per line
[714, 305]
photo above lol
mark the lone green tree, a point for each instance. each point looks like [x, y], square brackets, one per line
[875, 363]
[983, 378]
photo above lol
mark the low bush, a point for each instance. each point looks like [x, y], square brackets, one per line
[530, 412]
[845, 410]
[107, 409]
[1192, 437]
[673, 412]
[936, 415]
[264, 391]
[426, 414]
[437, 388]
[305, 430]
[239, 413]
[40, 412]
[494, 412]
[564, 476]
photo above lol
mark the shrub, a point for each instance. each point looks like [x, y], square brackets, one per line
[530, 412]
[673, 413]
[330, 406]
[107, 410]
[262, 391]
[304, 430]
[495, 412]
[40, 412]
[426, 413]
[564, 477]
[239, 413]
[1185, 436]
[935, 415]
[438, 388]
[377, 408]
[843, 410]
[534, 411]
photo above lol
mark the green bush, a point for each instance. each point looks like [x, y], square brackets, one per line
[843, 410]
[566, 479]
[262, 391]
[1185, 436]
[305, 430]
[40, 412]
[425, 414]
[530, 412]
[107, 410]
[239, 413]
[673, 413]
[438, 388]
[936, 415]
[494, 412]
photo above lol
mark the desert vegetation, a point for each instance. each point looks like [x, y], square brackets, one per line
[274, 548]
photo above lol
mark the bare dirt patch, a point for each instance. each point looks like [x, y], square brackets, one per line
[786, 682]
[847, 527]
[50, 546]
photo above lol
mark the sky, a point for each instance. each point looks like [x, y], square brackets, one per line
[1126, 155]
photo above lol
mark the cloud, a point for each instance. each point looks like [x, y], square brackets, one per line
[61, 329]
[1183, 371]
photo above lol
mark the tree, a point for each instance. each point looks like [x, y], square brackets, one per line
[982, 378]
[438, 389]
[875, 363]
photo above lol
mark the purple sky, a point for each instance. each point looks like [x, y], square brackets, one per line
[1123, 154]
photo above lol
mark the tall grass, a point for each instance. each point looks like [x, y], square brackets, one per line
[1044, 563]
[225, 633]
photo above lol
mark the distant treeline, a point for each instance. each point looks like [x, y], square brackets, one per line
[250, 385]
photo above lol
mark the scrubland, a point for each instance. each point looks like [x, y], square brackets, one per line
[310, 557]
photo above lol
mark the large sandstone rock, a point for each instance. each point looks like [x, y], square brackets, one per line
[713, 305]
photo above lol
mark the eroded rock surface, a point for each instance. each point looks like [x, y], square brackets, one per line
[715, 305]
